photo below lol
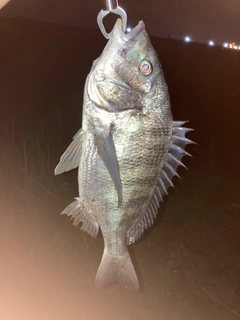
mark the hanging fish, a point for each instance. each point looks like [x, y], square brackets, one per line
[127, 151]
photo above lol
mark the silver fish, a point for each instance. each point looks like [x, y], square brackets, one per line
[127, 151]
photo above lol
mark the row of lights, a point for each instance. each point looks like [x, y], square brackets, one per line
[231, 45]
[188, 39]
[212, 43]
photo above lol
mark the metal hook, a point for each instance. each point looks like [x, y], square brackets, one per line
[111, 6]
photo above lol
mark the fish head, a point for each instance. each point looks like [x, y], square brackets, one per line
[127, 73]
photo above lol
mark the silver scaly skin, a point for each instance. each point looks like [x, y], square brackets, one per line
[127, 151]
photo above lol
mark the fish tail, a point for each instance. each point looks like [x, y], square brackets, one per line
[116, 269]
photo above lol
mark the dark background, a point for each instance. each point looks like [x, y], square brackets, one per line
[202, 19]
[188, 263]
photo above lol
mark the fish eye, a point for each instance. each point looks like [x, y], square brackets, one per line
[145, 68]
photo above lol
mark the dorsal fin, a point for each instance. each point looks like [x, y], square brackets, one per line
[71, 157]
[164, 181]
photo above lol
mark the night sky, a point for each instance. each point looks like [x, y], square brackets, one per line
[203, 20]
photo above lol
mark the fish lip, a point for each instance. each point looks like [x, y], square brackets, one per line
[134, 34]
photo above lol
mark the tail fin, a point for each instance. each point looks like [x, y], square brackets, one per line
[119, 269]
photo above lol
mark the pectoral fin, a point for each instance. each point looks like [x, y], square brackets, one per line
[71, 157]
[107, 152]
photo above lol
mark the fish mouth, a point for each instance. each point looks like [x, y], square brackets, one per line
[134, 34]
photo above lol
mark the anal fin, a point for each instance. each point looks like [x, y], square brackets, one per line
[78, 215]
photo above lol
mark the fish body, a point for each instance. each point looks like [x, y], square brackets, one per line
[127, 151]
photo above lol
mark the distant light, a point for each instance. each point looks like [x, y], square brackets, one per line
[211, 43]
[187, 39]
[225, 45]
[238, 47]
[233, 46]
[129, 29]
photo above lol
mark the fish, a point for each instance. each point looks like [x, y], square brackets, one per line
[127, 151]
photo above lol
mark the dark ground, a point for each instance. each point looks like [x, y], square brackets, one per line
[188, 263]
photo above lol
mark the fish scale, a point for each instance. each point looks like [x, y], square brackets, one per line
[128, 150]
